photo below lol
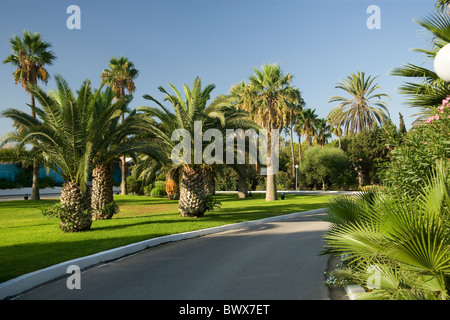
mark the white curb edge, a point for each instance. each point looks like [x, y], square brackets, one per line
[28, 281]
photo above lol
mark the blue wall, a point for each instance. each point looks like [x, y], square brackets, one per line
[8, 172]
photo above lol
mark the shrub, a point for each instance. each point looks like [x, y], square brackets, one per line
[148, 190]
[135, 186]
[6, 184]
[157, 192]
[212, 203]
[284, 181]
[412, 163]
[227, 179]
[47, 182]
[160, 184]
[110, 209]
[326, 168]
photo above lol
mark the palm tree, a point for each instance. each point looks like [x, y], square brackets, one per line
[30, 55]
[190, 112]
[69, 135]
[295, 107]
[359, 112]
[405, 237]
[266, 97]
[109, 145]
[120, 76]
[334, 119]
[323, 132]
[66, 136]
[429, 92]
[307, 121]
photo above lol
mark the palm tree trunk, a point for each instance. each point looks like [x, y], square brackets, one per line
[242, 183]
[123, 186]
[192, 194]
[292, 151]
[209, 182]
[271, 183]
[299, 150]
[102, 191]
[77, 208]
[35, 186]
[308, 139]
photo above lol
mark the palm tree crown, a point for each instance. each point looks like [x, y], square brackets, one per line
[120, 76]
[359, 112]
[29, 56]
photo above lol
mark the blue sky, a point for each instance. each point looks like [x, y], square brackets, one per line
[320, 42]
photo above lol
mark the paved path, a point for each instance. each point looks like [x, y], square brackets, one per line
[273, 261]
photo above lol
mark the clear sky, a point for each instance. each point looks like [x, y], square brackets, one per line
[320, 42]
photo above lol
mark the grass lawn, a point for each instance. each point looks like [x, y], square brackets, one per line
[29, 241]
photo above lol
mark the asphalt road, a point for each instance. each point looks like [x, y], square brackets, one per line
[272, 261]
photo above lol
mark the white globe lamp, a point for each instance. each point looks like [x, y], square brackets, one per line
[442, 63]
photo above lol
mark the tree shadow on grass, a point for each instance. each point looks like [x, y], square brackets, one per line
[16, 260]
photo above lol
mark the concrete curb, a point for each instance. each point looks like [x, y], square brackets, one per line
[30, 280]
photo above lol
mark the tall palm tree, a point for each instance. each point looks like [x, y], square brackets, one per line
[295, 106]
[359, 111]
[109, 145]
[120, 77]
[323, 132]
[307, 120]
[266, 97]
[66, 136]
[190, 111]
[30, 56]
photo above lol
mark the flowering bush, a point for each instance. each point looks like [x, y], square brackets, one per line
[440, 113]
[413, 161]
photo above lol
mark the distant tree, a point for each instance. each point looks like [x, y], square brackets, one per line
[323, 132]
[266, 97]
[363, 109]
[402, 124]
[120, 76]
[367, 151]
[326, 168]
[30, 56]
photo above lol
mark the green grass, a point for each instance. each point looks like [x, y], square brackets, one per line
[29, 241]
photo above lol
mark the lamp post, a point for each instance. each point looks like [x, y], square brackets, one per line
[442, 63]
[296, 167]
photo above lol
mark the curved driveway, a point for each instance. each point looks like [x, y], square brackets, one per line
[271, 261]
